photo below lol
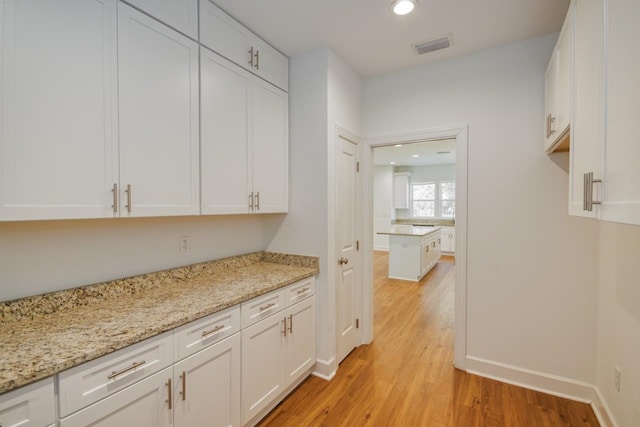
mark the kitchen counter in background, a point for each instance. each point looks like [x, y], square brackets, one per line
[46, 334]
[410, 230]
[430, 222]
[413, 250]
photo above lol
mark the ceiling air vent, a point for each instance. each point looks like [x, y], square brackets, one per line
[431, 45]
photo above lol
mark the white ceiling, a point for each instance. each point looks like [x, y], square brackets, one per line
[427, 154]
[372, 40]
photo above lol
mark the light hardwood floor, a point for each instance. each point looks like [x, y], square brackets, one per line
[406, 378]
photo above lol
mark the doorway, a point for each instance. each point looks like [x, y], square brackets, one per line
[458, 134]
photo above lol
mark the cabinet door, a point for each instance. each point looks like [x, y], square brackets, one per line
[58, 128]
[587, 129]
[179, 14]
[270, 64]
[300, 342]
[224, 35]
[621, 171]
[146, 403]
[401, 190]
[207, 387]
[270, 148]
[29, 406]
[261, 365]
[224, 97]
[550, 99]
[564, 64]
[158, 87]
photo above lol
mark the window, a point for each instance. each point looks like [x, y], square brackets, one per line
[433, 199]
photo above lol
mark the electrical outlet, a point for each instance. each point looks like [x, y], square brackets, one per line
[184, 243]
[616, 378]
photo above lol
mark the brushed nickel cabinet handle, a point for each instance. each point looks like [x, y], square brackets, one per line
[268, 306]
[284, 330]
[552, 121]
[212, 331]
[257, 59]
[128, 191]
[251, 201]
[184, 385]
[170, 397]
[302, 291]
[258, 201]
[114, 190]
[290, 323]
[251, 56]
[133, 366]
[588, 192]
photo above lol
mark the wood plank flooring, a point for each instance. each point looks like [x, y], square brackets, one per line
[406, 377]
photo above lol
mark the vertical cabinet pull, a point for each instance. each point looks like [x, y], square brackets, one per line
[169, 400]
[587, 192]
[251, 56]
[258, 201]
[184, 385]
[114, 190]
[290, 323]
[284, 330]
[550, 121]
[251, 201]
[128, 191]
[257, 59]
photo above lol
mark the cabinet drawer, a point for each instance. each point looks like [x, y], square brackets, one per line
[91, 381]
[195, 336]
[29, 406]
[299, 291]
[261, 307]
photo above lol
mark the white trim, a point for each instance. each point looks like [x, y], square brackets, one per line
[381, 248]
[325, 369]
[460, 133]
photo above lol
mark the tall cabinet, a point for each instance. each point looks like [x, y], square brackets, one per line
[58, 109]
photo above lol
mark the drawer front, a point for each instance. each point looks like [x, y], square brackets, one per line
[261, 307]
[29, 406]
[94, 380]
[199, 334]
[300, 290]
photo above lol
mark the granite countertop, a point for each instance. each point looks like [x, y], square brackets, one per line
[430, 222]
[410, 230]
[46, 334]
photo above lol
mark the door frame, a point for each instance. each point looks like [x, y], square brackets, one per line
[460, 133]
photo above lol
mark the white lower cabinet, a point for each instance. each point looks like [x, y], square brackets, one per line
[207, 386]
[29, 406]
[145, 403]
[276, 352]
[448, 239]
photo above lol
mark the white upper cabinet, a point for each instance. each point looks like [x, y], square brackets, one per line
[226, 36]
[587, 129]
[159, 129]
[401, 190]
[244, 140]
[58, 108]
[621, 172]
[179, 14]
[558, 88]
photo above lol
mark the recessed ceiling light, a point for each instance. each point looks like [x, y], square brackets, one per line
[402, 7]
[392, 163]
[398, 145]
[416, 155]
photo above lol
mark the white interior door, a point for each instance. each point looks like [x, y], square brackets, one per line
[348, 293]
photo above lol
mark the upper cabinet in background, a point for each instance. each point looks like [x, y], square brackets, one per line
[227, 37]
[58, 109]
[181, 15]
[558, 82]
[604, 174]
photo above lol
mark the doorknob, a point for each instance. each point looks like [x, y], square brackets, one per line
[343, 261]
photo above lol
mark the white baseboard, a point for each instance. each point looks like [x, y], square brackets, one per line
[325, 369]
[601, 409]
[534, 380]
[381, 248]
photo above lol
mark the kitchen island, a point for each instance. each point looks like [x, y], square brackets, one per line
[413, 251]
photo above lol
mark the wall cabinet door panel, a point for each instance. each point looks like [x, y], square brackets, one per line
[159, 132]
[179, 14]
[58, 115]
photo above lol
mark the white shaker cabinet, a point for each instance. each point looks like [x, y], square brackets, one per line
[448, 239]
[244, 140]
[401, 196]
[587, 129]
[148, 402]
[227, 37]
[558, 87]
[159, 129]
[58, 109]
[207, 387]
[179, 14]
[621, 198]
[30, 406]
[300, 341]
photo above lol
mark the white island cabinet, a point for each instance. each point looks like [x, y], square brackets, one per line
[413, 251]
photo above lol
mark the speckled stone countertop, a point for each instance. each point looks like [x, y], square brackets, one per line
[438, 222]
[410, 230]
[46, 334]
